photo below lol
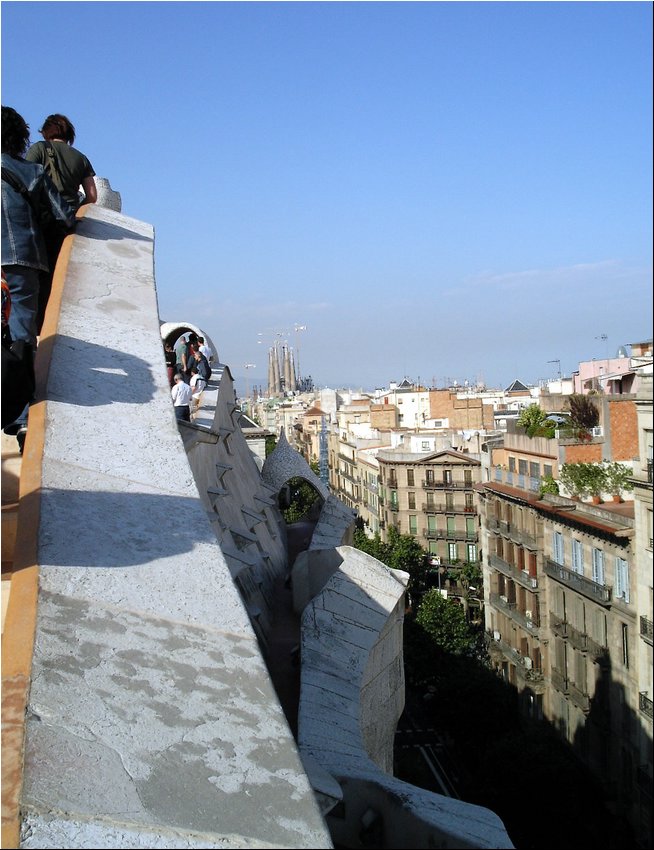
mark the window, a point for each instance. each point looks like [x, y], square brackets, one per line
[429, 476]
[598, 566]
[621, 579]
[410, 478]
[412, 501]
[449, 501]
[430, 498]
[522, 467]
[431, 523]
[557, 547]
[467, 477]
[469, 502]
[534, 469]
[433, 547]
[471, 530]
[426, 444]
[577, 557]
[451, 526]
[447, 476]
[511, 464]
[472, 553]
[413, 524]
[451, 552]
[394, 498]
[547, 469]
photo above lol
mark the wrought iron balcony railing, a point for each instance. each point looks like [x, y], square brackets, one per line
[591, 589]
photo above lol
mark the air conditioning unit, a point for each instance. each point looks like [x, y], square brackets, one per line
[534, 582]
[528, 615]
[527, 662]
[496, 635]
[504, 599]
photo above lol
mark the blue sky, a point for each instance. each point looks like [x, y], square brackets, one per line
[447, 191]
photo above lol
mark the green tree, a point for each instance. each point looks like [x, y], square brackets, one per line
[271, 444]
[532, 418]
[303, 497]
[445, 623]
[404, 553]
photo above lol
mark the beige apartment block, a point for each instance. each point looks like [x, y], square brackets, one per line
[368, 467]
[311, 423]
[431, 497]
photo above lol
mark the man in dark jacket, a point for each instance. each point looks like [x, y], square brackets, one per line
[201, 369]
[28, 195]
[26, 189]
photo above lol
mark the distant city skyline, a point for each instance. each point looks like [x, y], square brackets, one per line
[443, 191]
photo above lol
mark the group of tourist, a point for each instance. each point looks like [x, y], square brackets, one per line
[189, 369]
[40, 198]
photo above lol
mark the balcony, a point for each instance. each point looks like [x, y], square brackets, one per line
[392, 483]
[521, 576]
[645, 704]
[503, 603]
[510, 530]
[579, 697]
[440, 508]
[599, 593]
[530, 674]
[393, 506]
[646, 627]
[559, 680]
[450, 534]
[432, 484]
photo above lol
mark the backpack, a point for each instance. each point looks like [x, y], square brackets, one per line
[52, 167]
[53, 229]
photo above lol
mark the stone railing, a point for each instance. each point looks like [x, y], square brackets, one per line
[152, 720]
[352, 694]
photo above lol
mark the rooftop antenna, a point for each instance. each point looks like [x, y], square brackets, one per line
[247, 367]
[558, 362]
[605, 338]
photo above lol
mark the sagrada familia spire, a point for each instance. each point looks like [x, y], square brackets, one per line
[281, 379]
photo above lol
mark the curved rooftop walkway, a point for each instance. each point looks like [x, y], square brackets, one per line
[149, 715]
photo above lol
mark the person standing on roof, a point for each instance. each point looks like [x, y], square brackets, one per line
[28, 198]
[66, 166]
[68, 169]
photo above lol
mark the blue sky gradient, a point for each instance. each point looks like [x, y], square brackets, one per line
[446, 191]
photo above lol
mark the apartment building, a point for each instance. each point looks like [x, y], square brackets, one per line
[368, 466]
[568, 608]
[311, 427]
[431, 497]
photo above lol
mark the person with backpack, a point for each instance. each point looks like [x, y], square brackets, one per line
[29, 199]
[69, 169]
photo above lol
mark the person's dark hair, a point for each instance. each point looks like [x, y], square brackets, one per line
[15, 132]
[58, 127]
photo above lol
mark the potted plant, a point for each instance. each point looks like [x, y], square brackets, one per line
[548, 484]
[584, 479]
[596, 480]
[572, 477]
[618, 479]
